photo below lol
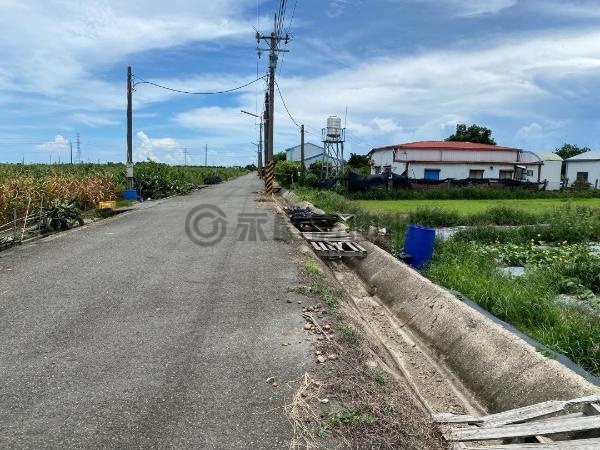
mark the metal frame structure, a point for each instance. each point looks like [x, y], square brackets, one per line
[333, 153]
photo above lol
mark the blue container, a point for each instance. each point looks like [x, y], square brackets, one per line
[418, 243]
[129, 194]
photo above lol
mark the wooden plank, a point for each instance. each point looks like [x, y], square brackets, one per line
[591, 409]
[360, 247]
[455, 418]
[326, 234]
[578, 444]
[352, 247]
[315, 246]
[532, 411]
[525, 413]
[525, 429]
[338, 246]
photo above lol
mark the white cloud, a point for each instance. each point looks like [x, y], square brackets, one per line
[571, 9]
[336, 8]
[62, 43]
[473, 8]
[94, 120]
[57, 145]
[160, 150]
[422, 95]
[536, 135]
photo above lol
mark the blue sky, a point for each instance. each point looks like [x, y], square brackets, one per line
[406, 70]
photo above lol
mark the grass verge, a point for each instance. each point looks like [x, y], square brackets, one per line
[528, 302]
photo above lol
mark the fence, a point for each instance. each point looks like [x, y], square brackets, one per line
[22, 227]
[358, 182]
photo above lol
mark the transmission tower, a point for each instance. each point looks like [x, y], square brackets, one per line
[78, 154]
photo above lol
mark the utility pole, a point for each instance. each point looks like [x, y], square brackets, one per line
[129, 131]
[78, 155]
[205, 155]
[260, 150]
[266, 130]
[302, 147]
[185, 153]
[71, 148]
[259, 145]
[272, 40]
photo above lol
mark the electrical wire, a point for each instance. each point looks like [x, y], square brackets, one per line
[285, 106]
[142, 81]
[292, 19]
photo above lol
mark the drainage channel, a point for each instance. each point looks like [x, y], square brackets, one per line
[408, 357]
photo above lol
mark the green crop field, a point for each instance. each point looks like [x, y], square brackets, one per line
[87, 184]
[467, 207]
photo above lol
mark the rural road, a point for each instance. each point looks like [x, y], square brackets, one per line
[125, 334]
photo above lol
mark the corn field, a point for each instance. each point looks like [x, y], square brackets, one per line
[87, 184]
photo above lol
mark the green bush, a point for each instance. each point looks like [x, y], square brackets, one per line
[503, 215]
[61, 215]
[434, 217]
[287, 172]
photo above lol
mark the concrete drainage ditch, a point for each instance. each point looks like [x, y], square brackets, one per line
[453, 357]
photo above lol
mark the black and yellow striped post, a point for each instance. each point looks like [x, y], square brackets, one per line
[269, 178]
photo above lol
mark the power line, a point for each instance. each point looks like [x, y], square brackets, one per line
[285, 106]
[292, 19]
[142, 81]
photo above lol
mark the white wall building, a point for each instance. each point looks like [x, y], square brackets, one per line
[312, 153]
[441, 160]
[585, 168]
[543, 167]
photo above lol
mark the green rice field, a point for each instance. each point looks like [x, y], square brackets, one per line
[468, 207]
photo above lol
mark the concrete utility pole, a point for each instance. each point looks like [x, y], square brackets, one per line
[272, 40]
[259, 145]
[71, 147]
[260, 150]
[266, 130]
[205, 155]
[129, 131]
[302, 147]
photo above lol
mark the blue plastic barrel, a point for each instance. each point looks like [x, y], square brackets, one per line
[129, 194]
[418, 243]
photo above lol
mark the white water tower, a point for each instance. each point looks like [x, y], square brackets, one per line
[333, 137]
[334, 127]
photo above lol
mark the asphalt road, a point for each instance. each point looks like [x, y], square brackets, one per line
[125, 334]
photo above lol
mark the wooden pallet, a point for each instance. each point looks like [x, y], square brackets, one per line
[335, 245]
[542, 426]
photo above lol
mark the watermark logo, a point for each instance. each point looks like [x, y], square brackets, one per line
[206, 225]
[251, 226]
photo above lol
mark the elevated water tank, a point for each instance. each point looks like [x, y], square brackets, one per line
[334, 126]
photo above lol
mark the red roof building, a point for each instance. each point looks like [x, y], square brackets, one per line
[439, 160]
